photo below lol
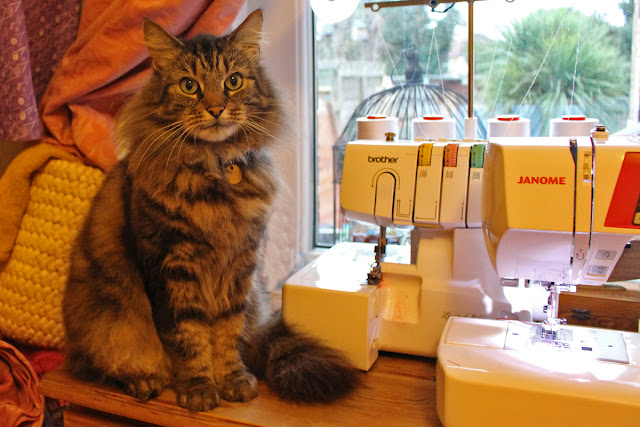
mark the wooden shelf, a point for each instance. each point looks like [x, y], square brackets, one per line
[398, 390]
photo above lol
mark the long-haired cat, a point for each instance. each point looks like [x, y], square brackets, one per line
[161, 289]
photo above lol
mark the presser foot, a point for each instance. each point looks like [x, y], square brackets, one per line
[550, 329]
[374, 277]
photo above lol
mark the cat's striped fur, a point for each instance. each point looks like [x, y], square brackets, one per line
[161, 290]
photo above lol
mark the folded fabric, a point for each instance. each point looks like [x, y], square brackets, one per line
[20, 403]
[14, 190]
[41, 360]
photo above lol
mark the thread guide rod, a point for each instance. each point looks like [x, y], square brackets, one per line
[470, 73]
[376, 6]
[375, 276]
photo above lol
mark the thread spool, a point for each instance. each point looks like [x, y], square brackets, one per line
[471, 128]
[511, 125]
[572, 125]
[376, 126]
[433, 127]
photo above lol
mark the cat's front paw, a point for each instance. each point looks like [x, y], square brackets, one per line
[143, 387]
[199, 397]
[240, 387]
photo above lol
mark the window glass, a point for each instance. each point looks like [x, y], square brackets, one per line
[540, 60]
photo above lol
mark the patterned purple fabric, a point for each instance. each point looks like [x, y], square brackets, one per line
[34, 34]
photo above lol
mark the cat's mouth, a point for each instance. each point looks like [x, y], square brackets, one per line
[216, 132]
[218, 124]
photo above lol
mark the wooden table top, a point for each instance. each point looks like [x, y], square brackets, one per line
[399, 390]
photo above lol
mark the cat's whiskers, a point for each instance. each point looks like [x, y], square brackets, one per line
[188, 132]
[242, 128]
[168, 133]
[136, 118]
[170, 129]
[123, 144]
[140, 145]
[184, 134]
[247, 130]
[262, 118]
[180, 140]
[258, 128]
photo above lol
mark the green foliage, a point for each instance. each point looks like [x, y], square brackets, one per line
[624, 34]
[602, 74]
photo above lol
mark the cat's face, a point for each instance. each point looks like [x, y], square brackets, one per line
[209, 88]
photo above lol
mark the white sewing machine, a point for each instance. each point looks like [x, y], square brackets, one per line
[448, 272]
[554, 212]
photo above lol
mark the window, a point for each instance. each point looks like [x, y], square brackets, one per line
[540, 60]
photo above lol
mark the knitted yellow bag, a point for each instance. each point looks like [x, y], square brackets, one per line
[33, 279]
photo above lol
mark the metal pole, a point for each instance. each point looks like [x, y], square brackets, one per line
[470, 78]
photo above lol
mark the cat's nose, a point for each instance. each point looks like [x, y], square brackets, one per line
[216, 111]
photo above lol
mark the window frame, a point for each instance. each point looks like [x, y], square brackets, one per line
[287, 53]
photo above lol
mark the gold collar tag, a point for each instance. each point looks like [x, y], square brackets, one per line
[233, 173]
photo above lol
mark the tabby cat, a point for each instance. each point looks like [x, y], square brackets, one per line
[161, 290]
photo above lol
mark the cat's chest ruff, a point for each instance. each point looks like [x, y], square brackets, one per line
[230, 193]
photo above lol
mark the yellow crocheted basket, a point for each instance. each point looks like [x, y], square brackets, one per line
[32, 282]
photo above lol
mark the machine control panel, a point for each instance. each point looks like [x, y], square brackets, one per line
[428, 184]
[549, 208]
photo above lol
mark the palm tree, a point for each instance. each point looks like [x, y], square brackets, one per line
[537, 57]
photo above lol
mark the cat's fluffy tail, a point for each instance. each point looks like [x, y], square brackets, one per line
[298, 367]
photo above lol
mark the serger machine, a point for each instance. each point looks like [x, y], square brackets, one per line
[500, 228]
[402, 304]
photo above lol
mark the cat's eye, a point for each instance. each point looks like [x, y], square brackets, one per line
[234, 81]
[189, 86]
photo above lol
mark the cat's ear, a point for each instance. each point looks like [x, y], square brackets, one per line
[249, 34]
[162, 46]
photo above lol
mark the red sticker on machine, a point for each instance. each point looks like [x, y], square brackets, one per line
[624, 209]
